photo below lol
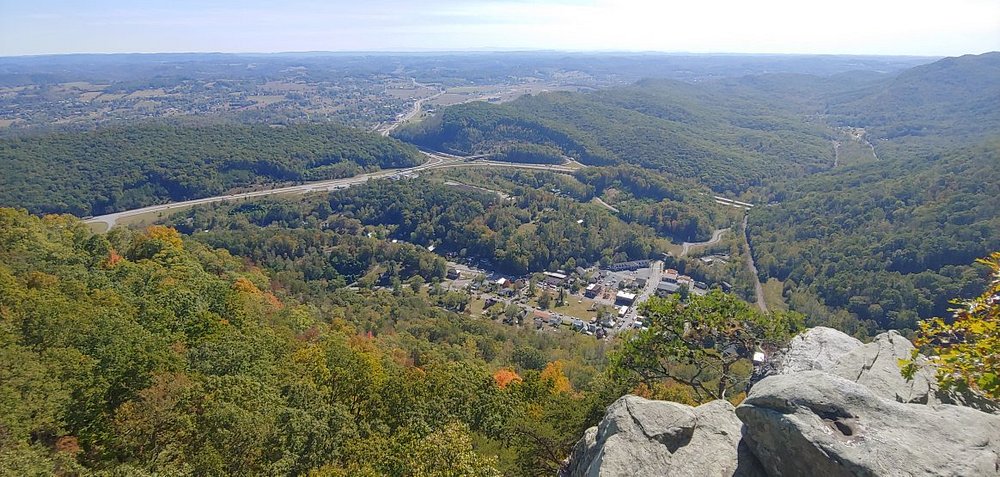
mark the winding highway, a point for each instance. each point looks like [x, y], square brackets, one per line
[716, 236]
[606, 205]
[417, 106]
[435, 161]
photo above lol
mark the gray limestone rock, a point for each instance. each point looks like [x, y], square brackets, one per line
[818, 348]
[819, 424]
[643, 437]
[876, 365]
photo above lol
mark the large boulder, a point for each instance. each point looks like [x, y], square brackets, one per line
[876, 365]
[819, 424]
[643, 437]
[817, 348]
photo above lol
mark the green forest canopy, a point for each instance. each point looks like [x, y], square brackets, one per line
[729, 137]
[147, 353]
[866, 246]
[121, 168]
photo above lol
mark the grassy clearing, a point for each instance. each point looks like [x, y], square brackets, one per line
[476, 306]
[574, 307]
[98, 227]
[673, 248]
[773, 296]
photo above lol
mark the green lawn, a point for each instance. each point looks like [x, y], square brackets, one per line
[572, 308]
[772, 295]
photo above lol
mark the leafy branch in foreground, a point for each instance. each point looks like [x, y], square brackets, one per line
[966, 351]
[705, 344]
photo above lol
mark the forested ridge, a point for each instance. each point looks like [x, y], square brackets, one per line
[877, 242]
[727, 135]
[889, 242]
[121, 168]
[147, 352]
[533, 231]
[681, 210]
[946, 101]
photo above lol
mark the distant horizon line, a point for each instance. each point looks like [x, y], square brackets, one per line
[476, 50]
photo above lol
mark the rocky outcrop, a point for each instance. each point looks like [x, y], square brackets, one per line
[815, 423]
[834, 407]
[818, 348]
[643, 437]
[876, 366]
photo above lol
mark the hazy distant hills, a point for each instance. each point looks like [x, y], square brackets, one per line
[957, 97]
[443, 67]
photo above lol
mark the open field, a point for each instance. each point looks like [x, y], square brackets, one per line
[574, 307]
[773, 296]
[148, 93]
[852, 150]
[410, 93]
[476, 306]
[495, 93]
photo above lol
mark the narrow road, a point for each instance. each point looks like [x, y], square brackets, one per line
[417, 106]
[605, 204]
[501, 194]
[757, 287]
[716, 236]
[435, 161]
[872, 146]
[328, 185]
[513, 165]
[655, 273]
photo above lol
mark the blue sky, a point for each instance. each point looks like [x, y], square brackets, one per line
[909, 27]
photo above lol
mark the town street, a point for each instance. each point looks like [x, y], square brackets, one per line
[655, 273]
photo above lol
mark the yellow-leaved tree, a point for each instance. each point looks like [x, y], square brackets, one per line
[966, 349]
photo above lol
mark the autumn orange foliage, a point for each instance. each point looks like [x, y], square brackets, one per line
[114, 258]
[68, 444]
[505, 376]
[273, 301]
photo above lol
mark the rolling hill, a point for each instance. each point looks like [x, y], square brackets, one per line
[888, 242]
[867, 245]
[722, 133]
[113, 169]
